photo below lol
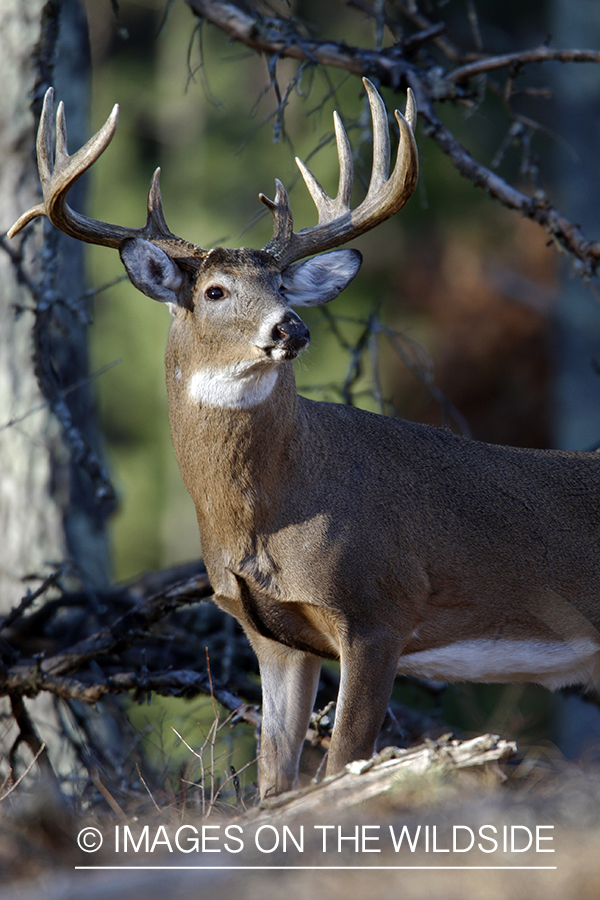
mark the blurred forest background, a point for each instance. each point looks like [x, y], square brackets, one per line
[464, 314]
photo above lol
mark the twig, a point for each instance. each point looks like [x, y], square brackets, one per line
[392, 68]
[29, 598]
[107, 795]
[210, 682]
[29, 681]
[16, 783]
[129, 627]
[517, 60]
[450, 50]
[143, 780]
[64, 392]
[28, 735]
[16, 258]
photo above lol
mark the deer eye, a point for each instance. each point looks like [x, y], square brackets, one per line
[214, 292]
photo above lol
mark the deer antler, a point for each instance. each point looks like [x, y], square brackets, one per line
[58, 172]
[337, 222]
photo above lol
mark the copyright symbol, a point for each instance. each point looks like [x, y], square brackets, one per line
[89, 840]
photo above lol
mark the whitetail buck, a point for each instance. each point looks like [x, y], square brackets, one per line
[332, 532]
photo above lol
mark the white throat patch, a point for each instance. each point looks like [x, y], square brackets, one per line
[238, 386]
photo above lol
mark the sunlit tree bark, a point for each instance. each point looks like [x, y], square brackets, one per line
[54, 494]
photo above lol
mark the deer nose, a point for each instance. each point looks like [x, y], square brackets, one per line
[293, 333]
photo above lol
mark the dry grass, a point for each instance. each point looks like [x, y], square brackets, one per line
[39, 853]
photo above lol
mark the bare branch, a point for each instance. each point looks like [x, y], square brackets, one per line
[281, 38]
[516, 60]
[394, 67]
[442, 42]
[55, 675]
[5, 793]
[30, 680]
[28, 735]
[30, 598]
[129, 627]
[429, 32]
[566, 234]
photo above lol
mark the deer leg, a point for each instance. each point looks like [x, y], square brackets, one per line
[289, 680]
[368, 669]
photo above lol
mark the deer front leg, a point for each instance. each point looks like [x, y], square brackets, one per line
[289, 680]
[368, 669]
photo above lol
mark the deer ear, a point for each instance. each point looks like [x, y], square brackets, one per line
[151, 270]
[315, 281]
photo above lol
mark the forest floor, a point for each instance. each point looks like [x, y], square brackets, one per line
[446, 819]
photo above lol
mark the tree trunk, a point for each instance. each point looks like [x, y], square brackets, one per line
[54, 493]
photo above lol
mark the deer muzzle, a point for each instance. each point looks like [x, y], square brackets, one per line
[291, 335]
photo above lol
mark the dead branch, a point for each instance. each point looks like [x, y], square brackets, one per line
[9, 786]
[423, 23]
[30, 598]
[29, 736]
[366, 779]
[30, 681]
[67, 674]
[399, 67]
[134, 624]
[127, 629]
[517, 60]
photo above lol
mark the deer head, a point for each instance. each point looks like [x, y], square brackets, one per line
[243, 294]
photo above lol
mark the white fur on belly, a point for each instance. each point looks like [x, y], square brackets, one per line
[238, 386]
[553, 664]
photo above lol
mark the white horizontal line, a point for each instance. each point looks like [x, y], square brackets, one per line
[330, 868]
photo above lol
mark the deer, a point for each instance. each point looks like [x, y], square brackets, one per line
[330, 532]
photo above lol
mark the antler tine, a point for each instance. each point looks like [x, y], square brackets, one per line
[156, 222]
[410, 113]
[45, 158]
[337, 223]
[328, 208]
[45, 150]
[283, 223]
[381, 139]
[344, 194]
[62, 153]
[59, 171]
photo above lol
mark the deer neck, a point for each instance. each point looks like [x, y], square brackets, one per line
[232, 459]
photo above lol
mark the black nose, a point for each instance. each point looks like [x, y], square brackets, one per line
[293, 333]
